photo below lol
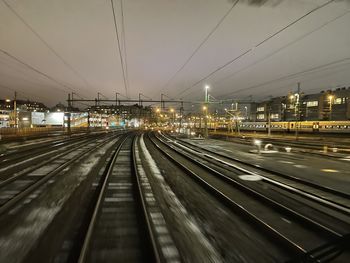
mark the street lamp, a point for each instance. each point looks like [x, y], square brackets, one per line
[330, 97]
[296, 98]
[205, 110]
[173, 116]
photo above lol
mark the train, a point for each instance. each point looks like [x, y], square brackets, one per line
[292, 126]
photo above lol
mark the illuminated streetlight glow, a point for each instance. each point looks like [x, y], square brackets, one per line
[207, 87]
[204, 107]
[171, 110]
[257, 142]
[8, 100]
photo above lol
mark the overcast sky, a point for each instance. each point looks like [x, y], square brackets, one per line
[49, 48]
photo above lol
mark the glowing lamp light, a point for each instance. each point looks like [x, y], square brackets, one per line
[257, 142]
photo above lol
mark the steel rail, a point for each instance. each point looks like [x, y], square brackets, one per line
[154, 253]
[306, 194]
[85, 248]
[33, 168]
[152, 239]
[257, 194]
[288, 243]
[13, 201]
[289, 177]
[4, 158]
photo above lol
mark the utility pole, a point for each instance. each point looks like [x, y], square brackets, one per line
[88, 121]
[68, 114]
[181, 112]
[162, 103]
[297, 111]
[269, 121]
[98, 98]
[15, 109]
[206, 99]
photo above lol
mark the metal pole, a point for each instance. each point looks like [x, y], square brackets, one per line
[68, 115]
[181, 112]
[206, 99]
[88, 120]
[15, 109]
[297, 112]
[162, 106]
[330, 108]
[269, 122]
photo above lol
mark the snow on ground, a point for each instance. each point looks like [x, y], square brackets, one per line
[21, 238]
[188, 221]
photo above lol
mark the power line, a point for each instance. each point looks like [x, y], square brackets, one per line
[37, 71]
[124, 45]
[281, 48]
[200, 45]
[119, 49]
[13, 90]
[46, 43]
[310, 70]
[259, 44]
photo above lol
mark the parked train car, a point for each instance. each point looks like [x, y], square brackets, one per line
[253, 126]
[302, 126]
[292, 126]
[334, 126]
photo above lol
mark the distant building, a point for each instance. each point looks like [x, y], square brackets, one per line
[326, 105]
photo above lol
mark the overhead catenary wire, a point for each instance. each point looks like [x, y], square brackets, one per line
[76, 73]
[14, 90]
[200, 45]
[245, 52]
[124, 45]
[119, 48]
[38, 71]
[283, 47]
[319, 68]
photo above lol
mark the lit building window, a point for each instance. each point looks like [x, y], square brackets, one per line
[260, 108]
[338, 101]
[312, 103]
[261, 116]
[274, 116]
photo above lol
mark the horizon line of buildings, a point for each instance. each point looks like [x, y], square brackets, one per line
[326, 105]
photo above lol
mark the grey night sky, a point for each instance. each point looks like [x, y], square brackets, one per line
[73, 42]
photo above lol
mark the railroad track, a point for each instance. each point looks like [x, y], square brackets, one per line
[334, 198]
[19, 189]
[13, 156]
[297, 231]
[302, 145]
[120, 227]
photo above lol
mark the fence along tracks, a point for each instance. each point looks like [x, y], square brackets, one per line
[328, 242]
